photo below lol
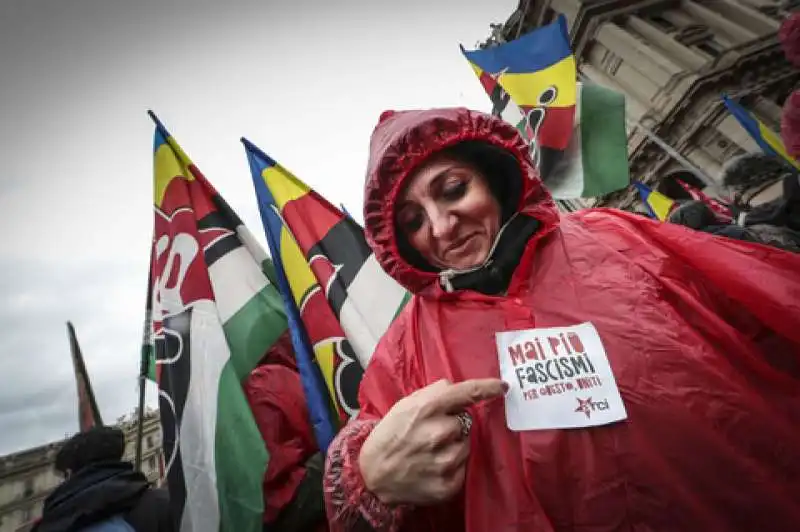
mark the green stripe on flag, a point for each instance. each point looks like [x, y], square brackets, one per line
[240, 462]
[406, 299]
[604, 141]
[253, 329]
[269, 270]
[149, 354]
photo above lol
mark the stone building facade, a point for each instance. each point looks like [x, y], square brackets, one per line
[27, 477]
[673, 59]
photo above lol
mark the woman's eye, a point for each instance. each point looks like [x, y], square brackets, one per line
[454, 191]
[411, 223]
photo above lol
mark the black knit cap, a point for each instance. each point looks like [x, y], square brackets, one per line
[503, 176]
[98, 444]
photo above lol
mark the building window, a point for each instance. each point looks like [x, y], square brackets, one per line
[27, 514]
[662, 23]
[709, 47]
[149, 442]
[151, 463]
[27, 491]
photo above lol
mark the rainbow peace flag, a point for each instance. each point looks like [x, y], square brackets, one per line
[767, 140]
[576, 131]
[340, 301]
[658, 205]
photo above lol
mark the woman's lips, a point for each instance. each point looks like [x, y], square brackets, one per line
[459, 244]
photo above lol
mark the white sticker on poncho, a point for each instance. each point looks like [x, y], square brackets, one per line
[558, 378]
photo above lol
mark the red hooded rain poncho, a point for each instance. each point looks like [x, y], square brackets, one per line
[275, 394]
[702, 334]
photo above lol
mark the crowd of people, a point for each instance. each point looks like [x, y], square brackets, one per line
[773, 223]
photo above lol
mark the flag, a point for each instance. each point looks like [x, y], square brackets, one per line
[215, 315]
[88, 413]
[769, 141]
[324, 413]
[576, 131]
[148, 352]
[658, 205]
[344, 299]
[722, 210]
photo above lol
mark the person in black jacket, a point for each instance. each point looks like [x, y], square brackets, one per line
[99, 486]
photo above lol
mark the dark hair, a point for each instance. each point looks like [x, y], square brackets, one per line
[753, 169]
[503, 176]
[694, 214]
[98, 444]
[500, 169]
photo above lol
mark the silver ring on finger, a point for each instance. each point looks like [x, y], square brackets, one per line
[465, 420]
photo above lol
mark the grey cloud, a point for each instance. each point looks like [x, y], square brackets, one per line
[38, 400]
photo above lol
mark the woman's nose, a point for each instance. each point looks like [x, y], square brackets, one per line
[442, 223]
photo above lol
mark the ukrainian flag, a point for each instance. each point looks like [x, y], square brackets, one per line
[658, 205]
[537, 71]
[767, 140]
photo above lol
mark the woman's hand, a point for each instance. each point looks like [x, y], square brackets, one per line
[417, 453]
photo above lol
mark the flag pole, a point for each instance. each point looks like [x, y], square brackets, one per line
[144, 366]
[675, 154]
[140, 422]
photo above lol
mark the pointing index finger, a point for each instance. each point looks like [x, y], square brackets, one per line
[466, 393]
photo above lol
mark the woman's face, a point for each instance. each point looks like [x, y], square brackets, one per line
[448, 214]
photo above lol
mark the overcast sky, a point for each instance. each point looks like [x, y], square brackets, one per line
[305, 80]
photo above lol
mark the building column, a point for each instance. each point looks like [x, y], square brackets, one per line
[737, 34]
[679, 53]
[653, 64]
[734, 132]
[747, 17]
[705, 162]
[769, 112]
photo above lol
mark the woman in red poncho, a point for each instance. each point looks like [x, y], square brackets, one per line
[702, 335]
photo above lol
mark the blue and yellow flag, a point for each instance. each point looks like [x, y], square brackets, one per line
[658, 205]
[767, 140]
[340, 301]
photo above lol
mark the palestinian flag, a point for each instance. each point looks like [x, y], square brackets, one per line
[576, 131]
[344, 300]
[215, 315]
[88, 413]
[149, 364]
